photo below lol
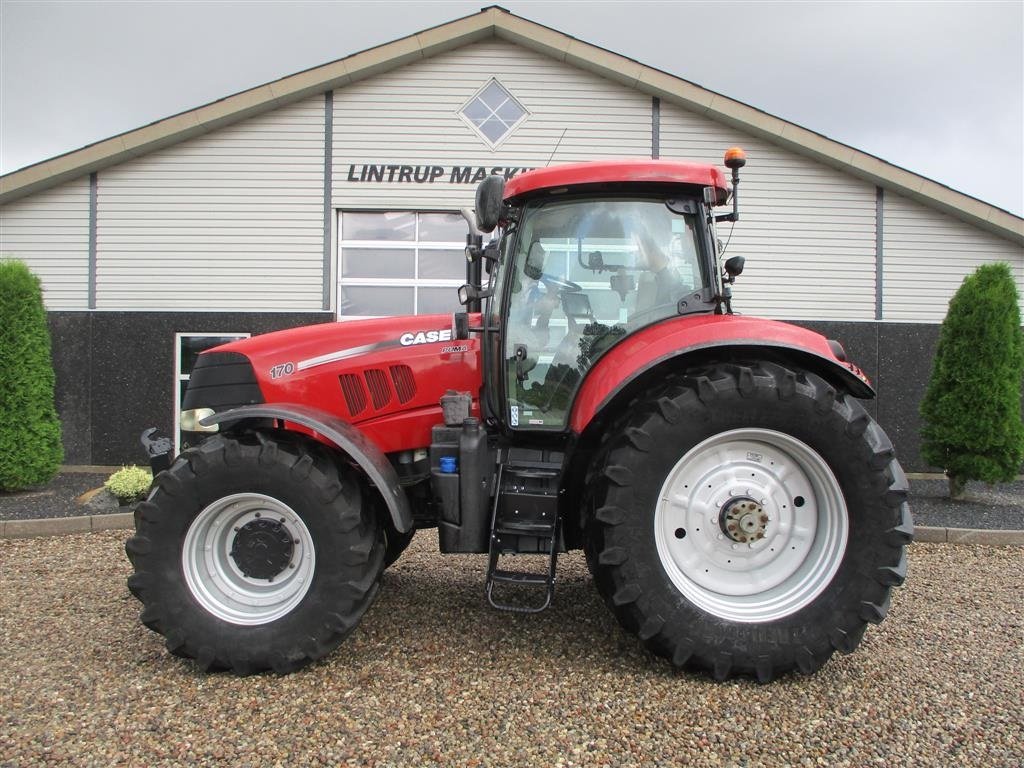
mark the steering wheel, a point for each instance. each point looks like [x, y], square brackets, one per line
[563, 285]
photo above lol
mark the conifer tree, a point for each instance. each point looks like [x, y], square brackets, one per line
[30, 444]
[972, 407]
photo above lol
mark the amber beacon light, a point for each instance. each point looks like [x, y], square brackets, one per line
[735, 158]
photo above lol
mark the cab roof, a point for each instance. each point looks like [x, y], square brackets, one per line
[639, 171]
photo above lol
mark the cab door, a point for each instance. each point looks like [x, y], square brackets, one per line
[581, 274]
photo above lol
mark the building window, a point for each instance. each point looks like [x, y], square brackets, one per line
[187, 347]
[400, 263]
[493, 112]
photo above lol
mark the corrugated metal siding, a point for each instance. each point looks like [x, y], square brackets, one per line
[49, 231]
[231, 220]
[807, 231]
[927, 255]
[410, 116]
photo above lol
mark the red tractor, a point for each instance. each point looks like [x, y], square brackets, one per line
[740, 512]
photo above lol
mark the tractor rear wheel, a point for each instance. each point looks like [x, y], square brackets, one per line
[252, 554]
[748, 519]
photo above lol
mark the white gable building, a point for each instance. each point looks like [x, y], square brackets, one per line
[334, 193]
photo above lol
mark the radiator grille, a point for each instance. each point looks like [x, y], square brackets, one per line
[405, 384]
[377, 383]
[355, 394]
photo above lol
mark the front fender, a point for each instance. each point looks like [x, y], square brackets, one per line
[346, 437]
[641, 352]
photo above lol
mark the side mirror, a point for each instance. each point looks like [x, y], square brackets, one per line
[734, 267]
[489, 197]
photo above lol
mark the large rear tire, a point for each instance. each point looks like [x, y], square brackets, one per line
[252, 554]
[747, 519]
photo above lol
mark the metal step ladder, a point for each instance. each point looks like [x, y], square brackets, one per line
[524, 520]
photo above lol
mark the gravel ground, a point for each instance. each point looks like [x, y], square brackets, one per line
[433, 677]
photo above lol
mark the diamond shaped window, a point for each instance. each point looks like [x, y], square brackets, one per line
[494, 112]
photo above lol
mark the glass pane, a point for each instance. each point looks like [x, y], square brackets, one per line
[476, 111]
[389, 225]
[608, 307]
[493, 129]
[374, 300]
[443, 228]
[433, 301]
[443, 265]
[191, 346]
[588, 272]
[494, 95]
[378, 262]
[510, 111]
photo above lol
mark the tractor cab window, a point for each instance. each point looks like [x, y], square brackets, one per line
[585, 273]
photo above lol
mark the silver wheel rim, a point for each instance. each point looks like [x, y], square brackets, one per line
[761, 482]
[216, 581]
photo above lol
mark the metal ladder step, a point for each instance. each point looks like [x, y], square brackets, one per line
[540, 529]
[519, 577]
[521, 582]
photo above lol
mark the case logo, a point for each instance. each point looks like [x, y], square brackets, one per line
[425, 337]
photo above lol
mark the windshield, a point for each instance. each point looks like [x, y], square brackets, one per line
[586, 273]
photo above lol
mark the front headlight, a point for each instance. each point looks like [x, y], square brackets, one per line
[190, 419]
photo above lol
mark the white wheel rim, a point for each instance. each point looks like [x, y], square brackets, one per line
[751, 475]
[215, 579]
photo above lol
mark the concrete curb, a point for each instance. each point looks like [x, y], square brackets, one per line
[61, 526]
[968, 536]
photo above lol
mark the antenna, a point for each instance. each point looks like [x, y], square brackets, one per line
[557, 145]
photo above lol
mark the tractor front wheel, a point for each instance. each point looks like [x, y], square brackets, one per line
[748, 519]
[253, 554]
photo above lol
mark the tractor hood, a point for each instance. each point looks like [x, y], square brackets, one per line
[387, 374]
[314, 346]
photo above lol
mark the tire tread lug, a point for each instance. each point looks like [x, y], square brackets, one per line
[652, 626]
[876, 612]
[627, 594]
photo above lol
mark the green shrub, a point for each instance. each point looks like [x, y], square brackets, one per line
[971, 408]
[129, 483]
[30, 446]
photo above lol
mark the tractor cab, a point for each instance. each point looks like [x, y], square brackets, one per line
[588, 254]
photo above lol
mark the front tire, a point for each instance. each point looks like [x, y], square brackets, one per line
[252, 554]
[397, 543]
[748, 519]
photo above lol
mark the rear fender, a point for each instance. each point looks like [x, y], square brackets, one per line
[671, 344]
[345, 437]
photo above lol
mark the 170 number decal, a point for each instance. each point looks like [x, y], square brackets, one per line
[284, 369]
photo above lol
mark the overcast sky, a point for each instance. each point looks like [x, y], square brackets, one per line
[934, 87]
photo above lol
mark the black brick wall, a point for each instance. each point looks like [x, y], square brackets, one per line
[115, 374]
